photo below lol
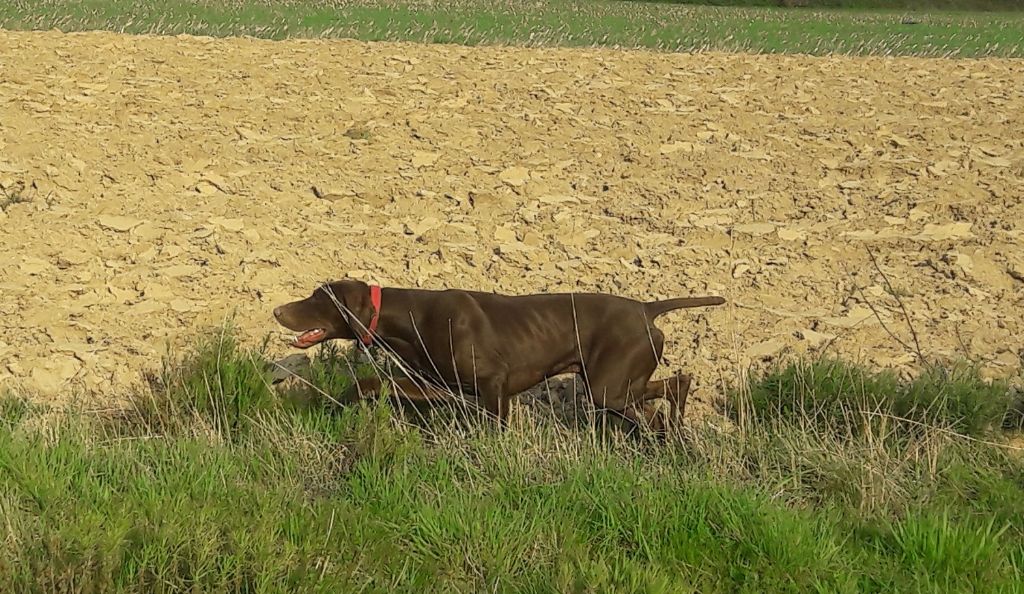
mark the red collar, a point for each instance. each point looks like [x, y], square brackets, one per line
[367, 338]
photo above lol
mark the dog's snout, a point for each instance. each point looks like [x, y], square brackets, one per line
[277, 312]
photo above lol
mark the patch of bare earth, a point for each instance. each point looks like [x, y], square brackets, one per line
[173, 186]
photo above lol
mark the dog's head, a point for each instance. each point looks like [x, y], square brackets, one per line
[335, 310]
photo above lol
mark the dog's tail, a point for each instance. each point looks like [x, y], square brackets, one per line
[656, 308]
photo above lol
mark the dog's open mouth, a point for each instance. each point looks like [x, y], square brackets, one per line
[309, 338]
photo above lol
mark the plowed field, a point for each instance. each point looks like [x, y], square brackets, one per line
[156, 185]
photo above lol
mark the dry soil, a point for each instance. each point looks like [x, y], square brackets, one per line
[170, 183]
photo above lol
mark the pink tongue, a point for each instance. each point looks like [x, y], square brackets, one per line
[308, 337]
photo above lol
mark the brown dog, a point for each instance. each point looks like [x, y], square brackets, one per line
[495, 346]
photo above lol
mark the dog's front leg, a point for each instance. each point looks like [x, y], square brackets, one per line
[404, 388]
[364, 389]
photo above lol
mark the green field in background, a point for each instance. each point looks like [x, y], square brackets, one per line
[670, 27]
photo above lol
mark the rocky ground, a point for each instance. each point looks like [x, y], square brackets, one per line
[154, 186]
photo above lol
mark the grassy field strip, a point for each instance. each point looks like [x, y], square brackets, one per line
[548, 23]
[216, 483]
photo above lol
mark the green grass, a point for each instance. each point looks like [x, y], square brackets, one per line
[835, 395]
[545, 23]
[917, 5]
[216, 483]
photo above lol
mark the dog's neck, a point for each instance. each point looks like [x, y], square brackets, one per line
[375, 304]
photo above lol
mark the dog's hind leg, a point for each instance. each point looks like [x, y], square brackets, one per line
[675, 389]
[618, 382]
[492, 395]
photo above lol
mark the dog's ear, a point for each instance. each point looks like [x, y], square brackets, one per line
[353, 299]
